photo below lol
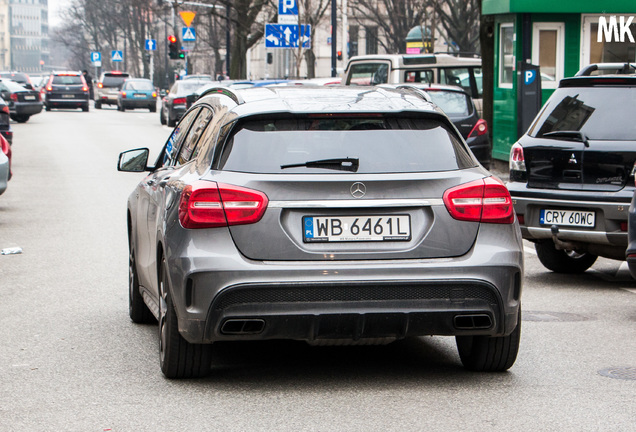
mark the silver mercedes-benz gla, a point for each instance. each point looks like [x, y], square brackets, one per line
[330, 215]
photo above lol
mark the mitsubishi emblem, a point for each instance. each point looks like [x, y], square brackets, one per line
[358, 190]
[572, 159]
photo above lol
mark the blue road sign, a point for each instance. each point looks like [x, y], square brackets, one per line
[96, 56]
[151, 45]
[287, 36]
[116, 56]
[188, 34]
[287, 7]
[287, 12]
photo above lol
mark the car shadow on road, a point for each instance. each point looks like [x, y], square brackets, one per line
[286, 365]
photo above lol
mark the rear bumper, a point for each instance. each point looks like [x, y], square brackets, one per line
[221, 293]
[27, 108]
[67, 102]
[138, 103]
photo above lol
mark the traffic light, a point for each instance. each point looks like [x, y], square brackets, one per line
[339, 55]
[181, 54]
[173, 47]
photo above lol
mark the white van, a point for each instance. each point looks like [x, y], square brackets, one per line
[377, 69]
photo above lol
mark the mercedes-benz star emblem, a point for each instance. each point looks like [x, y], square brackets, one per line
[358, 190]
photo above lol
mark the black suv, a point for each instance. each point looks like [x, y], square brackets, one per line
[572, 174]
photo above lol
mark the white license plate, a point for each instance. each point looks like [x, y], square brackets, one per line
[356, 228]
[567, 218]
[29, 97]
[68, 96]
[140, 95]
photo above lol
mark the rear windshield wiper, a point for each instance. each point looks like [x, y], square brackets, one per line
[342, 164]
[571, 135]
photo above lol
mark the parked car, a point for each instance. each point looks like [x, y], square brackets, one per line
[23, 103]
[572, 173]
[137, 93]
[108, 86]
[18, 77]
[66, 90]
[5, 121]
[282, 213]
[459, 106]
[5, 164]
[375, 69]
[173, 105]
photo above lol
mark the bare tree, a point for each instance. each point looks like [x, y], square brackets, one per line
[460, 21]
[395, 17]
[312, 13]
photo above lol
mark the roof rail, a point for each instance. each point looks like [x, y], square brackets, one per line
[612, 68]
[224, 91]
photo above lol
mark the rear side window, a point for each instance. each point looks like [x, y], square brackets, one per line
[419, 76]
[369, 74]
[601, 113]
[67, 79]
[379, 144]
[452, 103]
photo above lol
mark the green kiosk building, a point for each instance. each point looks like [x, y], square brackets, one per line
[560, 37]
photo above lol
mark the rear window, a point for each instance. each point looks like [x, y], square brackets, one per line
[114, 80]
[379, 144]
[18, 77]
[140, 85]
[452, 103]
[369, 74]
[67, 79]
[601, 113]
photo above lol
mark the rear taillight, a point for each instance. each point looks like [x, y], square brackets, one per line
[14, 97]
[123, 94]
[85, 88]
[154, 95]
[517, 164]
[179, 101]
[100, 85]
[485, 200]
[208, 205]
[480, 128]
[5, 109]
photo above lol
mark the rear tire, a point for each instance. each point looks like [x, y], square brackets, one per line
[162, 118]
[122, 108]
[137, 309]
[98, 105]
[172, 122]
[47, 108]
[178, 357]
[85, 108]
[21, 118]
[153, 108]
[489, 354]
[561, 261]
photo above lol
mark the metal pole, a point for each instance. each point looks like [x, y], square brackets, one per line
[227, 40]
[345, 33]
[334, 38]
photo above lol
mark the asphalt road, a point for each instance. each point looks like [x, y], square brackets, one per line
[71, 359]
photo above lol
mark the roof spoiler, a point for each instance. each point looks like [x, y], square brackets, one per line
[226, 91]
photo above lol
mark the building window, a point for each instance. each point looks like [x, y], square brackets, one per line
[506, 55]
[548, 52]
[607, 50]
[353, 40]
[372, 40]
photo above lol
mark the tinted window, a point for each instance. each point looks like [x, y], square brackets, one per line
[188, 87]
[114, 80]
[175, 140]
[452, 103]
[382, 145]
[67, 79]
[601, 113]
[190, 144]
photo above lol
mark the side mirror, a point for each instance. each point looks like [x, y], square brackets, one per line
[133, 160]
